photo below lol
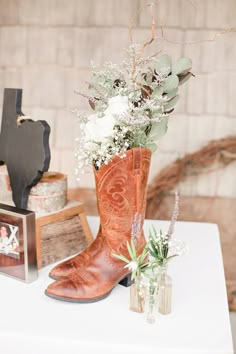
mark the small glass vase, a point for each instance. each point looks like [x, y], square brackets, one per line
[164, 291]
[137, 296]
[151, 301]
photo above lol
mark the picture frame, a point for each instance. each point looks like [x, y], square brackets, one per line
[18, 243]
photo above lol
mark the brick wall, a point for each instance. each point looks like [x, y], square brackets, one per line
[46, 47]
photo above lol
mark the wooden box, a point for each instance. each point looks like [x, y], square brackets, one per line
[61, 234]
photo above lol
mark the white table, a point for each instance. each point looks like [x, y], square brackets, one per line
[32, 323]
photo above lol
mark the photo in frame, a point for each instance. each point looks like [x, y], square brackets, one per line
[17, 243]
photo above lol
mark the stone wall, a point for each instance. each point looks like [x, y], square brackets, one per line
[46, 47]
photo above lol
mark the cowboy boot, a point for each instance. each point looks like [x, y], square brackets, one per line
[63, 269]
[121, 195]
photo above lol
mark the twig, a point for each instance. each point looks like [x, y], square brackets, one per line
[228, 30]
[90, 98]
[152, 36]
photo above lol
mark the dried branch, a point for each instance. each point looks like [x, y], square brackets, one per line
[152, 36]
[162, 37]
[137, 13]
[228, 30]
[89, 98]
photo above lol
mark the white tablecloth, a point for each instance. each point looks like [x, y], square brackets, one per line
[31, 323]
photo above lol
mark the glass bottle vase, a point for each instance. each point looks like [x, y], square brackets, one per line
[137, 296]
[164, 291]
[151, 301]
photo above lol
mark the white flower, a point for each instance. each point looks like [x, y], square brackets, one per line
[117, 105]
[132, 266]
[97, 129]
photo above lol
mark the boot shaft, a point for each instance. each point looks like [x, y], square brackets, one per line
[121, 196]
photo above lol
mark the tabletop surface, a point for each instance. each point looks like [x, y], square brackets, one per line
[32, 323]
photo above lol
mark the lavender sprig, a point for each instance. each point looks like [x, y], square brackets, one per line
[174, 217]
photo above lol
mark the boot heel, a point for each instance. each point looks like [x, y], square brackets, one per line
[126, 281]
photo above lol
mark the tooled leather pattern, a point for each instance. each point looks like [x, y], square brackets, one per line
[81, 276]
[116, 195]
[114, 201]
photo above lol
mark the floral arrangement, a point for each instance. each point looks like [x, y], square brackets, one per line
[160, 249]
[131, 102]
[161, 246]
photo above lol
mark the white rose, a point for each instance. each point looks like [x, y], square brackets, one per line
[117, 105]
[97, 129]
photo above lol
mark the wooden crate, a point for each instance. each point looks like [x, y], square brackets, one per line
[61, 234]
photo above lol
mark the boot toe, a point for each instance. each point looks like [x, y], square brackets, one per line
[58, 290]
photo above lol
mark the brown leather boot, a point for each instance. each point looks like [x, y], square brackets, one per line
[63, 269]
[121, 194]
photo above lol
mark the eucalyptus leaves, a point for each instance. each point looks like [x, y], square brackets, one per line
[131, 103]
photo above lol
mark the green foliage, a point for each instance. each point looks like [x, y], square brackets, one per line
[158, 129]
[171, 103]
[184, 78]
[171, 83]
[182, 66]
[164, 63]
[171, 94]
[137, 263]
[152, 147]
